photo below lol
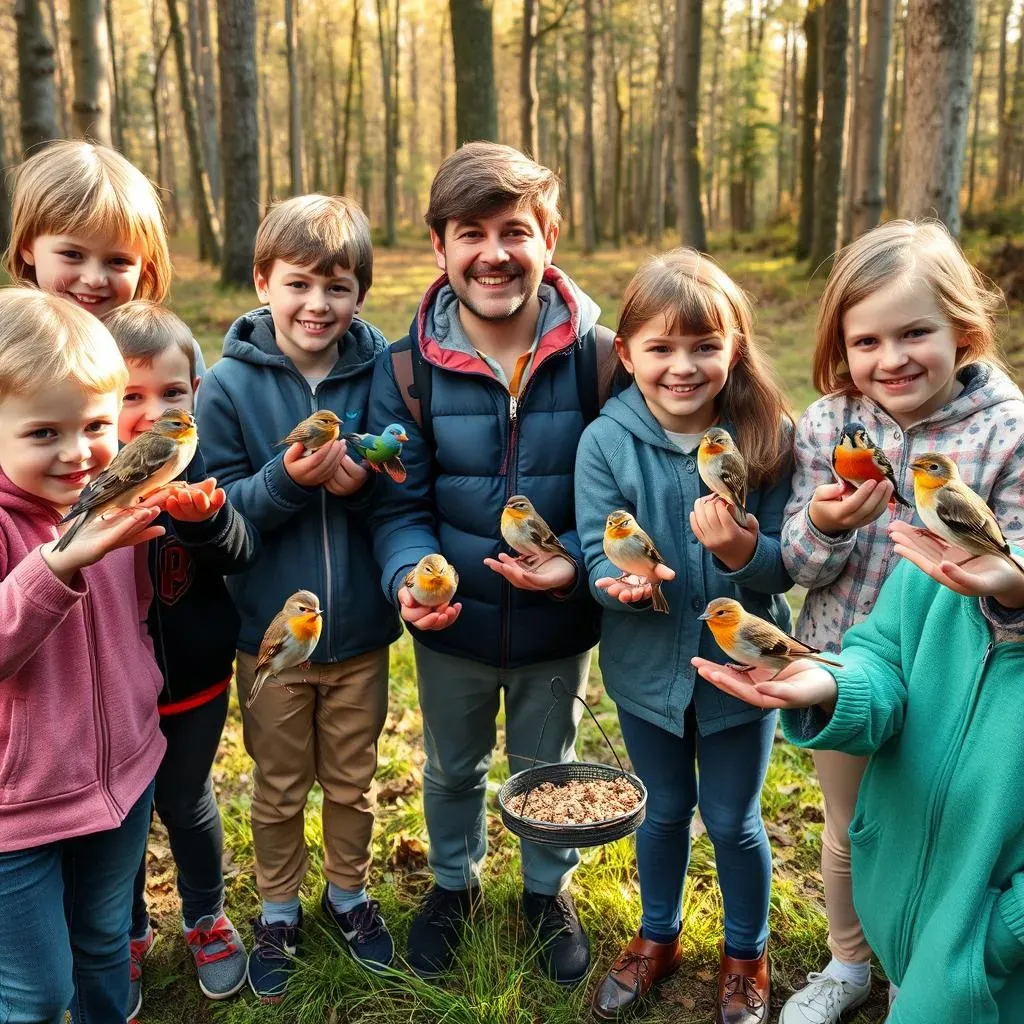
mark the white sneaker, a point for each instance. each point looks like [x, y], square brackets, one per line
[823, 1000]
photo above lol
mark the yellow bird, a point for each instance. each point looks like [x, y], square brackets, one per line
[139, 469]
[315, 431]
[630, 549]
[724, 471]
[290, 639]
[953, 512]
[526, 532]
[433, 582]
[752, 642]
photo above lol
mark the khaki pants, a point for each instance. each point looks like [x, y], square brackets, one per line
[317, 725]
[839, 775]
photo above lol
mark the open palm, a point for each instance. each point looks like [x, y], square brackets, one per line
[801, 684]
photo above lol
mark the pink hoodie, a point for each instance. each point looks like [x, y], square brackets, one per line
[79, 732]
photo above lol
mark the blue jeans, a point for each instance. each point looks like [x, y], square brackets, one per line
[731, 766]
[66, 908]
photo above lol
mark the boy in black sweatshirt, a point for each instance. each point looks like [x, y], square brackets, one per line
[194, 627]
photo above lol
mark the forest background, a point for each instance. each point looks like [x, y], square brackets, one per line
[767, 133]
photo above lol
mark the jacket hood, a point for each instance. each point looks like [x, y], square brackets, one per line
[251, 339]
[567, 314]
[985, 385]
[630, 411]
[14, 499]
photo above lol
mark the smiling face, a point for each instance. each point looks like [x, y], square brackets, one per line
[96, 273]
[56, 441]
[679, 375]
[163, 383]
[495, 264]
[901, 350]
[311, 312]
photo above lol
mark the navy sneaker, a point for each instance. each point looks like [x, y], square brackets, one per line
[365, 933]
[564, 948]
[436, 930]
[272, 960]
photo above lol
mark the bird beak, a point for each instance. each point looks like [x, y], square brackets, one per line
[401, 437]
[319, 615]
[704, 616]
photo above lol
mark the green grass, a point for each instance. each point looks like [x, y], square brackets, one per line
[495, 981]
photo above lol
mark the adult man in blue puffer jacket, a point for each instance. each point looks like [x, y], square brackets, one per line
[497, 349]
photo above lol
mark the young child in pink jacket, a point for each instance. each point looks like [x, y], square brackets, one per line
[80, 740]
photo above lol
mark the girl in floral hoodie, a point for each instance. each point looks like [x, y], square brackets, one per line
[906, 348]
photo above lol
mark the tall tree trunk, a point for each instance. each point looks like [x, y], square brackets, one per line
[353, 47]
[528, 97]
[979, 87]
[713, 130]
[616, 115]
[836, 25]
[591, 234]
[60, 71]
[268, 124]
[897, 98]
[570, 147]
[1003, 111]
[1017, 109]
[5, 194]
[90, 57]
[332, 81]
[118, 120]
[940, 45]
[809, 132]
[867, 205]
[686, 83]
[476, 103]
[365, 163]
[170, 148]
[442, 88]
[387, 34]
[206, 213]
[852, 185]
[201, 58]
[240, 137]
[794, 114]
[412, 146]
[780, 146]
[37, 96]
[656, 206]
[294, 99]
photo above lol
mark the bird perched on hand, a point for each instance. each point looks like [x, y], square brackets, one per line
[382, 451]
[142, 467]
[953, 512]
[752, 642]
[315, 431]
[857, 458]
[723, 470]
[630, 549]
[290, 639]
[526, 532]
[433, 582]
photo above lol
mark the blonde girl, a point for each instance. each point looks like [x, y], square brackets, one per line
[905, 346]
[686, 338]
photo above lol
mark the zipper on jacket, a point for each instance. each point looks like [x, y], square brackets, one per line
[937, 803]
[102, 740]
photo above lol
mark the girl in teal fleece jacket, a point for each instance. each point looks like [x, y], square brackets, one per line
[930, 690]
[685, 336]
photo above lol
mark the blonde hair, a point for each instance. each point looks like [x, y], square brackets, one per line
[79, 188]
[904, 249]
[143, 330]
[319, 231]
[697, 297]
[47, 340]
[481, 178]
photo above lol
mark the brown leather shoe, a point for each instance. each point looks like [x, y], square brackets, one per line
[640, 966]
[744, 990]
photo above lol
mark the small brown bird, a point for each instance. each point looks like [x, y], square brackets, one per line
[752, 642]
[433, 582]
[954, 513]
[526, 532]
[315, 431]
[142, 467]
[630, 549]
[290, 639]
[724, 471]
[857, 458]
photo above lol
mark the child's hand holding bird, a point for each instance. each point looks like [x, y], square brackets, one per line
[348, 478]
[194, 503]
[628, 548]
[799, 685]
[724, 471]
[714, 524]
[857, 458]
[316, 468]
[423, 616]
[544, 563]
[834, 511]
[315, 431]
[383, 451]
[289, 641]
[433, 582]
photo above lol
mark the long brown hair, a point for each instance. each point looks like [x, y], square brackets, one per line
[696, 296]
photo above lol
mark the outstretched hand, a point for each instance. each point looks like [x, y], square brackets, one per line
[424, 617]
[190, 503]
[801, 684]
[554, 573]
[630, 588]
[121, 529]
[834, 510]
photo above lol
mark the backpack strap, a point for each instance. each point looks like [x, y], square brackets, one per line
[591, 386]
[414, 380]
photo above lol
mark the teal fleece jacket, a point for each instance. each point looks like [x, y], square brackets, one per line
[625, 460]
[937, 839]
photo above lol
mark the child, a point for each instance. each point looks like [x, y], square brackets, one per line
[87, 225]
[929, 692]
[686, 336]
[194, 627]
[80, 738]
[308, 351]
[905, 346]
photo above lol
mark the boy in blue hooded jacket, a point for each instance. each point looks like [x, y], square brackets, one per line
[308, 351]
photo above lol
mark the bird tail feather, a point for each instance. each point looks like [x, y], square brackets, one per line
[658, 600]
[69, 534]
[257, 685]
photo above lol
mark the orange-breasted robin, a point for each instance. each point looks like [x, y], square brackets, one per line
[724, 471]
[630, 549]
[289, 640]
[857, 458]
[752, 642]
[142, 467]
[433, 582]
[953, 512]
[526, 532]
[315, 431]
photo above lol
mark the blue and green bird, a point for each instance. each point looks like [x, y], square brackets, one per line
[382, 451]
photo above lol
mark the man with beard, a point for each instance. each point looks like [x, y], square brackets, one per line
[495, 383]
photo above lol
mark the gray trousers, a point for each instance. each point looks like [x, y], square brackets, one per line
[459, 700]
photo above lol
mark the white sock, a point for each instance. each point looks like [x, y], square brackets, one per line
[858, 974]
